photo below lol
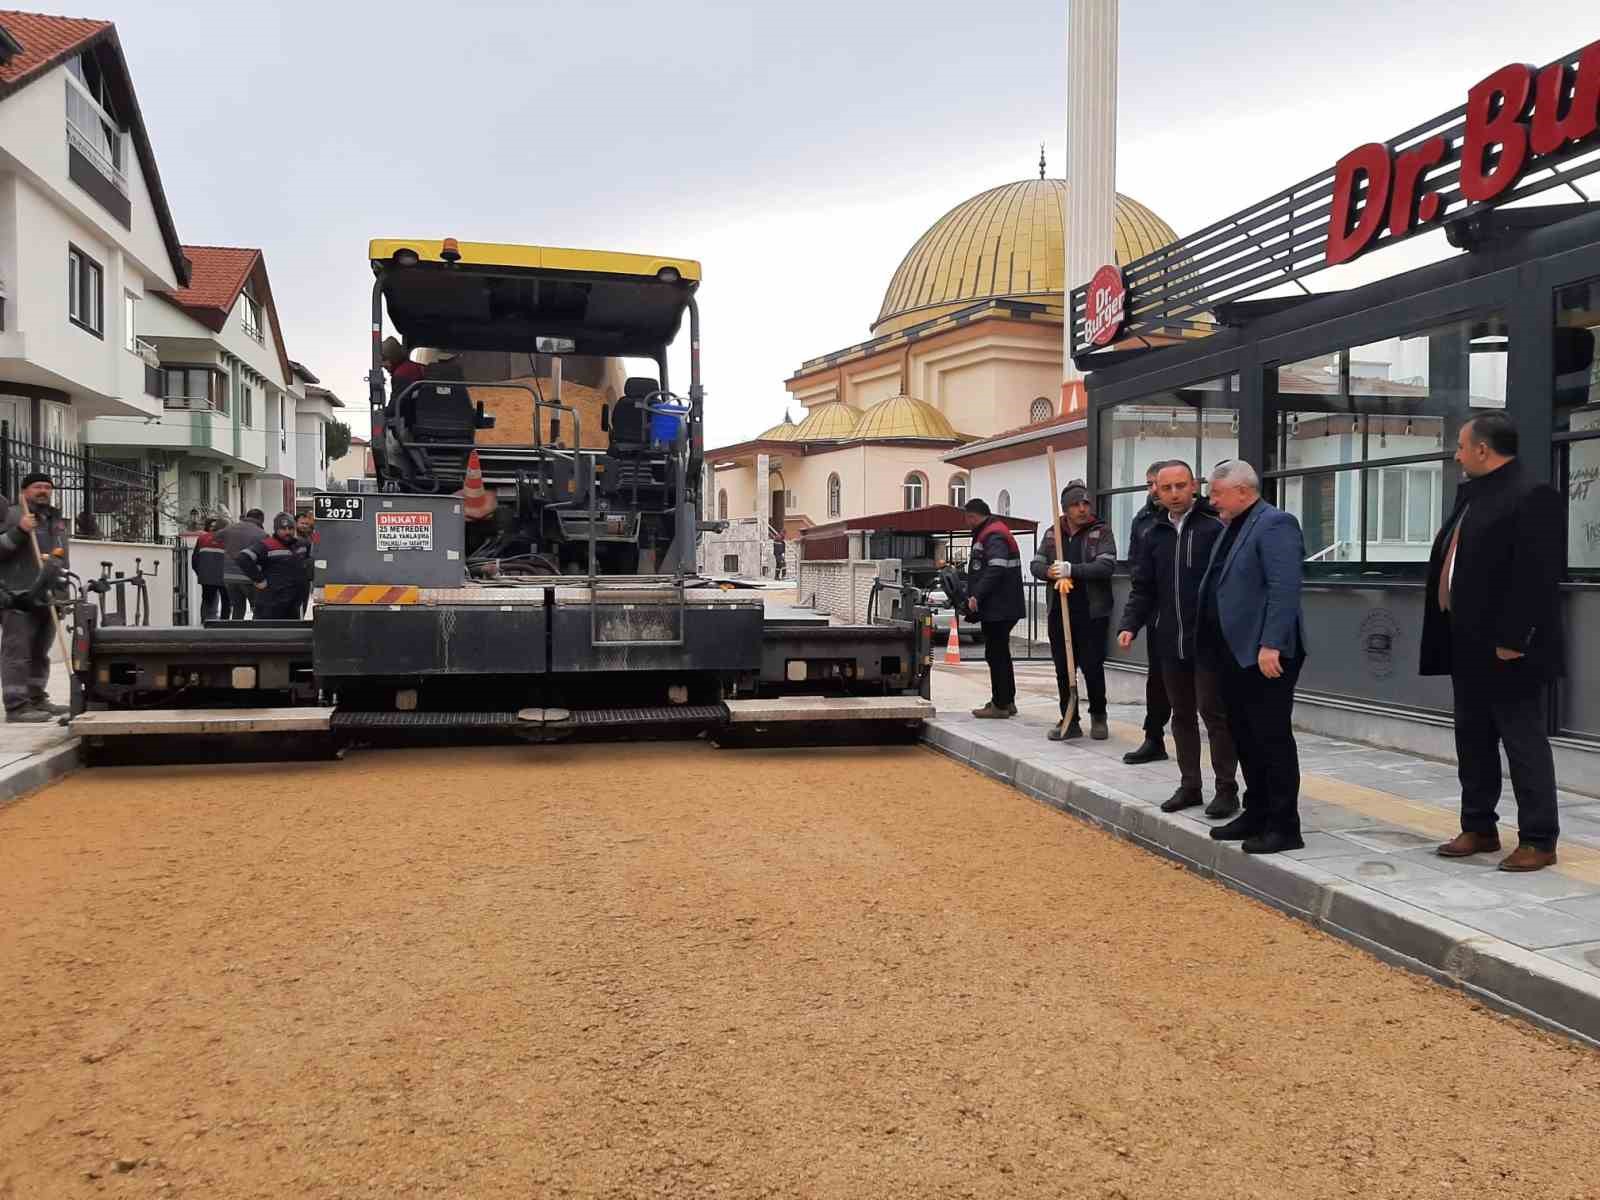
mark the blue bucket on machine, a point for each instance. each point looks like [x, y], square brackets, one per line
[665, 422]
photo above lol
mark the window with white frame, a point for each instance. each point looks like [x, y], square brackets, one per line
[1003, 503]
[85, 292]
[958, 490]
[914, 491]
[247, 412]
[250, 314]
[130, 321]
[835, 496]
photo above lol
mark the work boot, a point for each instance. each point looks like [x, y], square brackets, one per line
[1528, 858]
[1224, 804]
[1152, 749]
[55, 710]
[995, 712]
[27, 715]
[1272, 842]
[1465, 844]
[1237, 830]
[1181, 799]
[1073, 730]
[1098, 729]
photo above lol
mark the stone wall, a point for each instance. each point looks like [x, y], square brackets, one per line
[840, 587]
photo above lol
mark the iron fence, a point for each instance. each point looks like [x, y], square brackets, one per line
[110, 501]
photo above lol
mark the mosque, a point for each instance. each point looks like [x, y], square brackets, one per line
[967, 345]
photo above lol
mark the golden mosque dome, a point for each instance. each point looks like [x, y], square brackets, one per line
[905, 417]
[1003, 242]
[831, 421]
[785, 431]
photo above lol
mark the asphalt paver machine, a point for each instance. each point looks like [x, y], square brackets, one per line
[527, 565]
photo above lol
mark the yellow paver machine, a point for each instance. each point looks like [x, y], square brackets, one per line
[527, 564]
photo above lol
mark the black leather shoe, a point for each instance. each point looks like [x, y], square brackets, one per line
[1150, 750]
[1223, 804]
[1237, 830]
[1272, 843]
[1181, 799]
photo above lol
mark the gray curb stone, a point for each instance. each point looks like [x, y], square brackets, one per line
[1524, 983]
[37, 770]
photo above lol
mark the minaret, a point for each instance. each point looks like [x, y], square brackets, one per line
[1091, 159]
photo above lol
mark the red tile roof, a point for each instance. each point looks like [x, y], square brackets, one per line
[45, 41]
[217, 274]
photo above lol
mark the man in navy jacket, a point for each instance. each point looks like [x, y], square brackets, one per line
[1250, 628]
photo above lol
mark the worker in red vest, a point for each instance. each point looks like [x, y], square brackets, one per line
[994, 600]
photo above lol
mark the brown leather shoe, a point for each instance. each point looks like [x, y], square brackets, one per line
[1464, 845]
[1528, 858]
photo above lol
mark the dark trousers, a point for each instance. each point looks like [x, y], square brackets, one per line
[240, 597]
[997, 653]
[214, 605]
[1486, 718]
[24, 657]
[1196, 694]
[1259, 714]
[1157, 708]
[1089, 652]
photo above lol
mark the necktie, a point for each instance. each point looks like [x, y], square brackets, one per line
[1449, 564]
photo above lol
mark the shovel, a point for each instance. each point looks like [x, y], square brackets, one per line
[1071, 713]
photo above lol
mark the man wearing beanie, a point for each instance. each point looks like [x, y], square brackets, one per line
[994, 600]
[1089, 559]
[25, 634]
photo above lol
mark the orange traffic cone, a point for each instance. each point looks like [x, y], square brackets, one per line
[952, 648]
[476, 502]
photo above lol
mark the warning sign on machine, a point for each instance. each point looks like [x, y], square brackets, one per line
[405, 531]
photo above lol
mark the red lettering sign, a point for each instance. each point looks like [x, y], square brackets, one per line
[1515, 117]
[1105, 307]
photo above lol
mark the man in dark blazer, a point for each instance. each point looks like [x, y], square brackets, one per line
[1250, 629]
[1492, 622]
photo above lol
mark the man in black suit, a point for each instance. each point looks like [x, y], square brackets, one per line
[1492, 622]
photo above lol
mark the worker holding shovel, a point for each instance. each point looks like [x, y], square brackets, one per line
[33, 540]
[1086, 562]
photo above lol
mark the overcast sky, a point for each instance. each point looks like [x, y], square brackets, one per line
[798, 150]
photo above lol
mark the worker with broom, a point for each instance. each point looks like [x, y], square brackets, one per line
[1086, 562]
[34, 540]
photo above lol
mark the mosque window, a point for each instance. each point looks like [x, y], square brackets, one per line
[958, 490]
[1004, 502]
[835, 503]
[915, 491]
[1040, 410]
[722, 505]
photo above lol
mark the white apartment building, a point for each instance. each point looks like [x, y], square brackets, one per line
[315, 408]
[86, 237]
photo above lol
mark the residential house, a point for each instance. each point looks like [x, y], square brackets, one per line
[355, 471]
[314, 406]
[221, 440]
[86, 239]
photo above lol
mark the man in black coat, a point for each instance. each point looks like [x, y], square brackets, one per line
[994, 600]
[1157, 706]
[1168, 566]
[1492, 622]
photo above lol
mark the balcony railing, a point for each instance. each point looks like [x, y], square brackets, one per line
[146, 351]
[86, 130]
[192, 403]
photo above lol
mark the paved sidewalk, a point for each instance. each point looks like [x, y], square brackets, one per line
[1371, 819]
[34, 755]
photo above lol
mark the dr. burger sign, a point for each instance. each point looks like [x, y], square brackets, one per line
[1105, 307]
[1516, 119]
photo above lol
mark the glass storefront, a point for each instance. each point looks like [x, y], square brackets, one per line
[1197, 425]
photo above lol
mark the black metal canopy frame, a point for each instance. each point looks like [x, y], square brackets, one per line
[1283, 239]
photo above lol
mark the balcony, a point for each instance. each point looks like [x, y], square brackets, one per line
[280, 455]
[188, 423]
